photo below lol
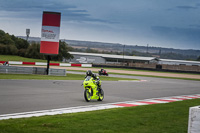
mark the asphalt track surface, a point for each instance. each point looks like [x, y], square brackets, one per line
[18, 96]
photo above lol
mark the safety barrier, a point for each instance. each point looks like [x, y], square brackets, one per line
[57, 72]
[31, 70]
[44, 64]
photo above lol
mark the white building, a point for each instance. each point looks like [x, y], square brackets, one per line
[116, 59]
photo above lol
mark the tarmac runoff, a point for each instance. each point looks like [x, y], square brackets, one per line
[99, 107]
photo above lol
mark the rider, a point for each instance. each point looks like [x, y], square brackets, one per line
[97, 80]
[6, 63]
[88, 73]
[103, 71]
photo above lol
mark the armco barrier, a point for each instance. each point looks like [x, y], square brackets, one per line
[57, 72]
[44, 64]
[38, 70]
[16, 70]
[31, 70]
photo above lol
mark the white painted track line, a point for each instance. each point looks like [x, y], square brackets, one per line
[99, 107]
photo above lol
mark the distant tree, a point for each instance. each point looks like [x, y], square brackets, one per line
[12, 44]
[5, 38]
[8, 49]
[33, 51]
[2, 49]
[22, 52]
[89, 50]
[20, 43]
[198, 59]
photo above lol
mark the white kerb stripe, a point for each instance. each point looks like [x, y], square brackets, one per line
[15, 62]
[65, 64]
[136, 103]
[169, 99]
[40, 64]
[86, 65]
[155, 101]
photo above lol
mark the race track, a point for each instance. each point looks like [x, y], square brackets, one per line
[33, 95]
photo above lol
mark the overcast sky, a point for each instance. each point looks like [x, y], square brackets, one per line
[160, 23]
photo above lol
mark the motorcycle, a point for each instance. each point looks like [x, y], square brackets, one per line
[91, 90]
[103, 72]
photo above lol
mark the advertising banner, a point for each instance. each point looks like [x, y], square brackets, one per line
[50, 33]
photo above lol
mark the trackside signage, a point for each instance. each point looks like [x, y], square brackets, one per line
[50, 33]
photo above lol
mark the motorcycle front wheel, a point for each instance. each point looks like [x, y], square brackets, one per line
[87, 95]
[101, 95]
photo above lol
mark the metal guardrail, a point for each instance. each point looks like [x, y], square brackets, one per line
[31, 70]
[57, 72]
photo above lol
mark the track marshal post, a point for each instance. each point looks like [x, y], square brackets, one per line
[50, 35]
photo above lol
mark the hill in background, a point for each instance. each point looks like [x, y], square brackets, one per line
[116, 48]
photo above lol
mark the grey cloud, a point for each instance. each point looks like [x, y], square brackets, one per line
[32, 8]
[189, 35]
[186, 7]
[194, 26]
[198, 4]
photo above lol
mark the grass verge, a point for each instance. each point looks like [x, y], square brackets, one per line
[47, 77]
[158, 76]
[158, 118]
[18, 58]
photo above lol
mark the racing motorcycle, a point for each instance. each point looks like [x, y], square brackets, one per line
[103, 72]
[91, 90]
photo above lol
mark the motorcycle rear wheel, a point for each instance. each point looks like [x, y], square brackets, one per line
[87, 95]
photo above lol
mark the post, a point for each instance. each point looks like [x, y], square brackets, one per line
[48, 62]
[147, 48]
[123, 53]
[27, 34]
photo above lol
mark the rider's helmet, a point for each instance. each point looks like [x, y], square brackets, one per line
[89, 73]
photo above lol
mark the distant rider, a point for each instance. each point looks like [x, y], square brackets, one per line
[6, 63]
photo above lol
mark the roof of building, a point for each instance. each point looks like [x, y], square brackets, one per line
[134, 57]
[179, 61]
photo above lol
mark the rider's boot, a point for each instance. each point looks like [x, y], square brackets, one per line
[99, 88]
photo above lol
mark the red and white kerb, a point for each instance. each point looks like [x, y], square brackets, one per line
[50, 33]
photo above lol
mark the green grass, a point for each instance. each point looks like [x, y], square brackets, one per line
[18, 58]
[157, 76]
[158, 118]
[47, 77]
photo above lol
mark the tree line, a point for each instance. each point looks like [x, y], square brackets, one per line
[11, 45]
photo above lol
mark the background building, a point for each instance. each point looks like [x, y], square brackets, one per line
[107, 58]
[95, 58]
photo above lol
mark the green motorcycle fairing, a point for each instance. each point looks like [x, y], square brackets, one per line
[89, 83]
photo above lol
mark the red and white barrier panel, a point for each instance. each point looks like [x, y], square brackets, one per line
[44, 64]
